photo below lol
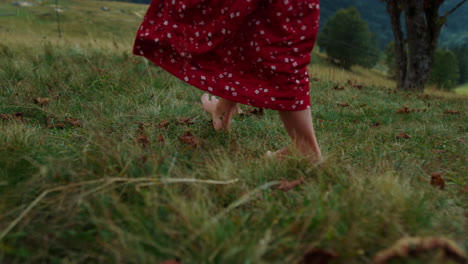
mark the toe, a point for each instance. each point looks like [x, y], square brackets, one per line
[205, 97]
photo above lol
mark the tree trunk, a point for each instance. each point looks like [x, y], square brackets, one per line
[394, 10]
[414, 55]
[423, 33]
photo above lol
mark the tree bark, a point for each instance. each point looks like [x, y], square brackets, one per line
[423, 25]
[394, 10]
[423, 28]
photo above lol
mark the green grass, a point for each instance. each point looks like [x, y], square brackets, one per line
[462, 89]
[106, 197]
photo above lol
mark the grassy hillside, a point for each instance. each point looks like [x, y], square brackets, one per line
[100, 168]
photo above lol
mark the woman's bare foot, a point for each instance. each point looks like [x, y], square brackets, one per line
[209, 105]
[279, 154]
[300, 128]
[221, 111]
[286, 151]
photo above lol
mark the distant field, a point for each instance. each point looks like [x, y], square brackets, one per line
[84, 23]
[105, 158]
[462, 89]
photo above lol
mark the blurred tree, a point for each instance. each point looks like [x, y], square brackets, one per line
[445, 72]
[423, 25]
[390, 59]
[461, 53]
[347, 40]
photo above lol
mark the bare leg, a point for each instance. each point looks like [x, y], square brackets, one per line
[221, 111]
[301, 130]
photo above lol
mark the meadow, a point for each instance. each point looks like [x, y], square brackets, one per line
[105, 158]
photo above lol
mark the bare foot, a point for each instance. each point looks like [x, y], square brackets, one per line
[210, 106]
[279, 154]
[282, 153]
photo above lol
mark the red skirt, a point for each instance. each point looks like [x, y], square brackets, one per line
[254, 52]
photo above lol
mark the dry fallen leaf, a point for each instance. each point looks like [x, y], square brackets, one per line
[343, 104]
[338, 87]
[404, 110]
[163, 124]
[18, 116]
[142, 138]
[58, 125]
[42, 101]
[189, 139]
[436, 180]
[413, 246]
[100, 71]
[74, 122]
[170, 261]
[403, 136]
[5, 117]
[257, 111]
[161, 138]
[439, 151]
[451, 112]
[318, 256]
[286, 186]
[185, 121]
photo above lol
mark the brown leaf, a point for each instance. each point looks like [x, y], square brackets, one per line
[315, 79]
[318, 256]
[461, 140]
[286, 186]
[343, 104]
[42, 101]
[170, 261]
[185, 121]
[403, 136]
[413, 246]
[74, 122]
[141, 126]
[58, 125]
[338, 87]
[439, 151]
[189, 139]
[436, 180]
[5, 117]
[404, 110]
[18, 116]
[451, 112]
[161, 138]
[163, 124]
[143, 140]
[100, 71]
[257, 111]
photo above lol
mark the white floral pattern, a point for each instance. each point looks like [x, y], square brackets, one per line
[253, 52]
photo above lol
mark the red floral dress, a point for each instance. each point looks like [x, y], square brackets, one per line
[254, 52]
